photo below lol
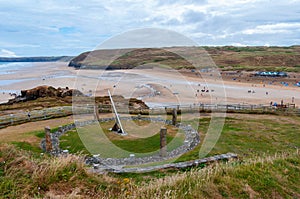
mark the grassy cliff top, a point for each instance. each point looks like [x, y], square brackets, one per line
[24, 176]
[225, 57]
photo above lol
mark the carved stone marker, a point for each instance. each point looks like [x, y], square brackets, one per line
[174, 116]
[48, 139]
[60, 130]
[163, 142]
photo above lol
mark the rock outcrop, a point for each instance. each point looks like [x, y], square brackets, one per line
[121, 102]
[64, 96]
[44, 91]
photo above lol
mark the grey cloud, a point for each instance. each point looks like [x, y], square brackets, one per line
[147, 37]
[91, 22]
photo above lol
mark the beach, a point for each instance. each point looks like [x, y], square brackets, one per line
[157, 86]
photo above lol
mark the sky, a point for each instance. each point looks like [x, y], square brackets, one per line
[69, 27]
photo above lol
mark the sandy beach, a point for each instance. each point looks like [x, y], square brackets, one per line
[154, 86]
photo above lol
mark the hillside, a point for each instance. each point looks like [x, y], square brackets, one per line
[268, 165]
[23, 175]
[226, 58]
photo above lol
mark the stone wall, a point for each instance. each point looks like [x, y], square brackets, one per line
[192, 139]
[54, 137]
[99, 168]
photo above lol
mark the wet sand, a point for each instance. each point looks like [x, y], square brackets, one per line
[154, 86]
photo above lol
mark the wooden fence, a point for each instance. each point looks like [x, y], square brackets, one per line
[55, 112]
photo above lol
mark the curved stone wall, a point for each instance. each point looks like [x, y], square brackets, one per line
[192, 139]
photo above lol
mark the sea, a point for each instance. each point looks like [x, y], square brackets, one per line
[12, 67]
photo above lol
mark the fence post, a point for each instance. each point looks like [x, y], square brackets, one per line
[163, 142]
[11, 119]
[174, 117]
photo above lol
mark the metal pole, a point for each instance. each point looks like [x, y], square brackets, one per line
[115, 110]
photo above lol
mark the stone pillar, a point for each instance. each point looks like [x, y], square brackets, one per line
[163, 142]
[60, 130]
[174, 117]
[48, 139]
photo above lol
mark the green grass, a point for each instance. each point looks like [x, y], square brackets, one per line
[250, 137]
[245, 137]
[268, 166]
[257, 136]
[242, 58]
[239, 67]
[24, 176]
[28, 147]
[261, 177]
[271, 179]
[145, 145]
[41, 133]
[72, 140]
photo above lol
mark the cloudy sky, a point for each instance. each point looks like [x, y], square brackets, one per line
[69, 27]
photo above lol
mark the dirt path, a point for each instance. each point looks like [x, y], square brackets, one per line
[22, 132]
[25, 132]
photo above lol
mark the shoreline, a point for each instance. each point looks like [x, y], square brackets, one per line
[170, 86]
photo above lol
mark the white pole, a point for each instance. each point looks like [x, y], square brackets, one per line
[115, 110]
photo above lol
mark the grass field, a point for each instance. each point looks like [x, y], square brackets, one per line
[245, 134]
[138, 141]
[268, 166]
[25, 176]
[252, 135]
